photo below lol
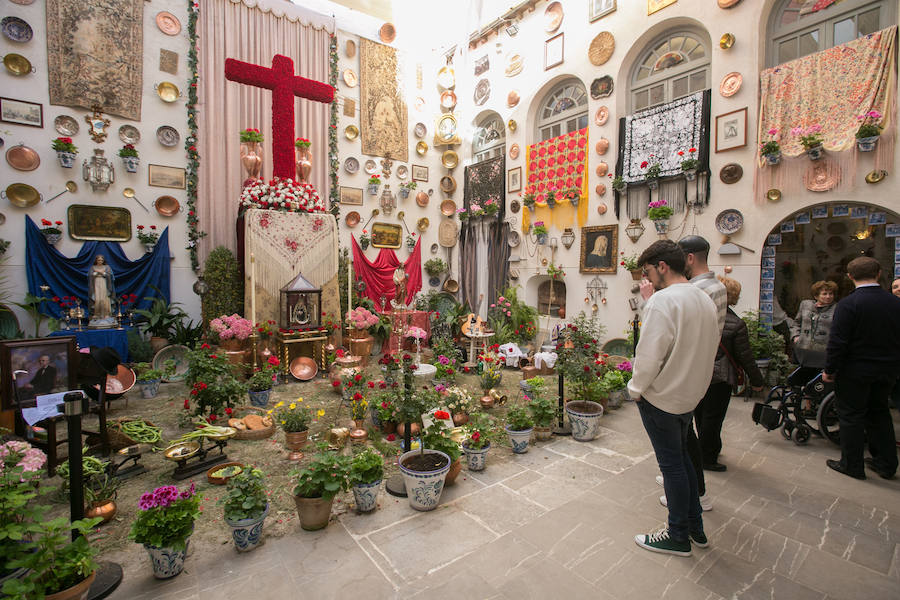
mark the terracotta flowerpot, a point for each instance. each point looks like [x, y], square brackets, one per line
[158, 343]
[237, 352]
[460, 419]
[314, 512]
[388, 427]
[637, 274]
[294, 441]
[455, 468]
[76, 592]
[361, 344]
[413, 429]
[542, 434]
[105, 509]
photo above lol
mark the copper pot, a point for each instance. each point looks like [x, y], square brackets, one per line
[105, 509]
[460, 419]
[388, 427]
[294, 441]
[361, 344]
[413, 429]
[487, 401]
[455, 468]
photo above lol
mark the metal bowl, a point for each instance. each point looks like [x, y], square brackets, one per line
[168, 91]
[303, 368]
[21, 195]
[167, 206]
[181, 451]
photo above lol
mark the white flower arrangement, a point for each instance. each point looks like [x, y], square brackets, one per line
[282, 194]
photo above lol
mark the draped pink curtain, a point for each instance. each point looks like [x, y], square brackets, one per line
[233, 29]
[378, 275]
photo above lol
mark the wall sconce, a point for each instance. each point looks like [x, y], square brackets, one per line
[596, 289]
[634, 230]
[388, 200]
[568, 238]
[98, 171]
[554, 243]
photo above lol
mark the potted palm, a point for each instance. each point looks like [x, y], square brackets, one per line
[519, 426]
[164, 527]
[316, 485]
[160, 319]
[246, 506]
[149, 378]
[543, 409]
[477, 442]
[366, 472]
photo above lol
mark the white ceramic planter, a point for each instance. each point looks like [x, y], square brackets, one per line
[584, 416]
[423, 488]
[519, 439]
[365, 496]
[476, 458]
[247, 533]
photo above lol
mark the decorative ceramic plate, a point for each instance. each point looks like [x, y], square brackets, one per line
[450, 159]
[731, 83]
[352, 219]
[514, 207]
[513, 239]
[168, 136]
[350, 78]
[351, 132]
[482, 91]
[387, 33]
[129, 134]
[434, 247]
[66, 125]
[513, 64]
[448, 184]
[731, 173]
[602, 87]
[514, 151]
[601, 48]
[402, 172]
[16, 29]
[420, 130]
[168, 23]
[351, 165]
[350, 48]
[729, 221]
[370, 167]
[419, 103]
[23, 158]
[176, 353]
[601, 115]
[512, 99]
[448, 208]
[167, 206]
[448, 99]
[421, 148]
[553, 17]
[822, 176]
[17, 64]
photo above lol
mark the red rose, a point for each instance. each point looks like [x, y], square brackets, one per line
[212, 418]
[371, 384]
[335, 384]
[228, 411]
[476, 436]
[441, 414]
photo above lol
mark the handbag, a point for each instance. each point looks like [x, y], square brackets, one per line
[739, 371]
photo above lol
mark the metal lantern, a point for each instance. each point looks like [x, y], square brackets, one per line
[568, 237]
[300, 304]
[634, 230]
[98, 171]
[388, 200]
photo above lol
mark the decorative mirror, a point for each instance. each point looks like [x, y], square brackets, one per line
[445, 130]
[98, 124]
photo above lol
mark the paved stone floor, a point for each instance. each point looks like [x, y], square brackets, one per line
[558, 522]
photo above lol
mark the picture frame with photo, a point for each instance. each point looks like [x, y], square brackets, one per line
[819, 212]
[840, 210]
[802, 219]
[554, 51]
[787, 227]
[877, 218]
[600, 8]
[892, 230]
[21, 112]
[351, 195]
[167, 177]
[859, 212]
[35, 367]
[599, 249]
[419, 173]
[386, 235]
[514, 180]
[774, 239]
[731, 130]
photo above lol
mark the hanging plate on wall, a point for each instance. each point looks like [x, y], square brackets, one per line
[351, 165]
[731, 83]
[23, 158]
[553, 17]
[601, 48]
[729, 221]
[129, 134]
[167, 136]
[731, 173]
[66, 125]
[601, 116]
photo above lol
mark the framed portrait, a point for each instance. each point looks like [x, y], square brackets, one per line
[553, 51]
[600, 8]
[36, 367]
[386, 235]
[655, 5]
[99, 223]
[731, 130]
[514, 180]
[21, 112]
[419, 173]
[351, 195]
[168, 177]
[599, 249]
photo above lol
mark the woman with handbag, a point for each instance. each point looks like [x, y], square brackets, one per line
[733, 361]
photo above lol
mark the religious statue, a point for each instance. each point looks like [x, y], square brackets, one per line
[399, 300]
[102, 293]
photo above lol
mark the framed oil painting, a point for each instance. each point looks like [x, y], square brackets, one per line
[600, 8]
[553, 51]
[99, 223]
[21, 112]
[599, 249]
[731, 130]
[168, 177]
[351, 195]
[419, 173]
[514, 180]
[386, 235]
[36, 367]
[656, 5]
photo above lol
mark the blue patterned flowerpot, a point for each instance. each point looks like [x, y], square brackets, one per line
[404, 193]
[66, 159]
[662, 226]
[773, 159]
[365, 494]
[53, 238]
[816, 152]
[867, 144]
[131, 163]
[260, 398]
[617, 397]
[690, 174]
[434, 281]
[584, 416]
[166, 562]
[247, 533]
[519, 439]
[373, 189]
[150, 388]
[423, 488]
[476, 458]
[542, 238]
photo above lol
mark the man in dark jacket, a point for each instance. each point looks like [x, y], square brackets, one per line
[44, 379]
[863, 358]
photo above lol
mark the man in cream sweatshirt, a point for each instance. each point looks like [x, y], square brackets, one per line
[672, 369]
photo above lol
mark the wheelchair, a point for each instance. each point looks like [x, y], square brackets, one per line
[802, 406]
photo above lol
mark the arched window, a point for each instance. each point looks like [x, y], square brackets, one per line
[673, 66]
[490, 138]
[563, 110]
[796, 29]
[551, 302]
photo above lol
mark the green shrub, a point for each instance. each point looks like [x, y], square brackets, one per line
[226, 290]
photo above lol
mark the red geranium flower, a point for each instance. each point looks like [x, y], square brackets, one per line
[441, 414]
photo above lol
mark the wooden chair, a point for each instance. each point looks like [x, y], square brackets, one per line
[47, 442]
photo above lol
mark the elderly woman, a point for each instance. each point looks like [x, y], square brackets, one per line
[734, 355]
[811, 326]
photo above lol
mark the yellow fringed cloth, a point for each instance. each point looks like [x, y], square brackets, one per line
[558, 164]
[284, 244]
[831, 89]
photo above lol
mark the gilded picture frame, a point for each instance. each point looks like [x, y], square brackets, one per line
[99, 223]
[386, 235]
[351, 195]
[599, 249]
[167, 177]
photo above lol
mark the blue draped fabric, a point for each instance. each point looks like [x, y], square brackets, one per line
[66, 276]
[117, 339]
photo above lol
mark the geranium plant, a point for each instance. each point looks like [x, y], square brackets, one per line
[539, 228]
[128, 150]
[326, 475]
[580, 360]
[264, 377]
[147, 235]
[491, 208]
[690, 162]
[810, 137]
[64, 144]
[479, 431]
[251, 135]
[51, 227]
[166, 519]
[361, 318]
[437, 437]
[302, 143]
[375, 180]
[770, 147]
[630, 262]
[653, 167]
[869, 124]
[234, 326]
[246, 496]
[519, 419]
[659, 209]
[266, 329]
[555, 272]
[528, 198]
[367, 466]
[364, 239]
[214, 389]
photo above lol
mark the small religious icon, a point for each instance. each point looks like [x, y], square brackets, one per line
[102, 292]
[399, 278]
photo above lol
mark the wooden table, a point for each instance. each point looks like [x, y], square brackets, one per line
[305, 343]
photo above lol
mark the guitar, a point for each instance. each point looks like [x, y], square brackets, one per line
[474, 325]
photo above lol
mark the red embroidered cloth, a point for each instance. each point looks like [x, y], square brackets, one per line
[378, 275]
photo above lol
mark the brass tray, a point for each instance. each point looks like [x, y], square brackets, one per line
[99, 223]
[181, 451]
[21, 195]
[17, 64]
[601, 48]
[351, 132]
[168, 91]
[450, 159]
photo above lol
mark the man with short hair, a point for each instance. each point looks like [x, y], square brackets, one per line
[672, 368]
[44, 379]
[863, 359]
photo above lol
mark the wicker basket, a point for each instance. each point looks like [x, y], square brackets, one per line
[117, 439]
[255, 434]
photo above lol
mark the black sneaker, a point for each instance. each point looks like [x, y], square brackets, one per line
[662, 543]
[699, 539]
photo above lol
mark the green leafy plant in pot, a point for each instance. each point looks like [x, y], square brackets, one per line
[479, 432]
[316, 485]
[246, 505]
[519, 427]
[164, 526]
[160, 319]
[425, 469]
[437, 437]
[366, 473]
[544, 410]
[149, 378]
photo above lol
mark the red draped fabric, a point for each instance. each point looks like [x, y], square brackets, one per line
[378, 274]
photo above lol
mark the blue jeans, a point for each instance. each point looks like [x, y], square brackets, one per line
[668, 434]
